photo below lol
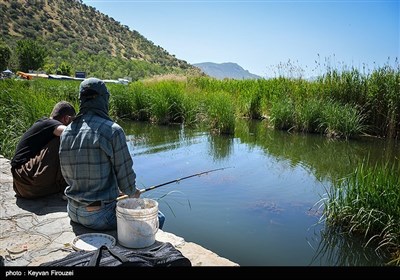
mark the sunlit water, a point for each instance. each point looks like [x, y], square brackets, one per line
[263, 209]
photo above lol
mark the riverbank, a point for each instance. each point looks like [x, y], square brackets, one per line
[38, 231]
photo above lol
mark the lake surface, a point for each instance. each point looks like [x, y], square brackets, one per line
[263, 209]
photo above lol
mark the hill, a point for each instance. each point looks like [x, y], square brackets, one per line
[85, 38]
[225, 70]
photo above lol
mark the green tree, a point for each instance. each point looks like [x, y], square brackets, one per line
[64, 69]
[31, 54]
[49, 68]
[5, 55]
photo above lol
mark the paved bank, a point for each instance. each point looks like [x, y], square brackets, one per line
[39, 231]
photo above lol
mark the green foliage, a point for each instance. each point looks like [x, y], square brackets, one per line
[383, 101]
[140, 101]
[27, 101]
[249, 102]
[220, 112]
[31, 54]
[341, 120]
[308, 115]
[49, 68]
[367, 202]
[64, 69]
[282, 114]
[121, 102]
[5, 55]
[347, 86]
[167, 102]
[11, 128]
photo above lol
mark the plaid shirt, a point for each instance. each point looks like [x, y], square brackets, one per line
[95, 160]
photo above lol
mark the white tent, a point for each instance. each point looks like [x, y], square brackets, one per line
[6, 74]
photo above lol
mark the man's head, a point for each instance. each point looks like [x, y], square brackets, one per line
[93, 97]
[64, 112]
[91, 88]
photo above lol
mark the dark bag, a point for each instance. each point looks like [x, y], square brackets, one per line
[159, 254]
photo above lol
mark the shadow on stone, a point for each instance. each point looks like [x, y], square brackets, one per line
[44, 205]
[79, 229]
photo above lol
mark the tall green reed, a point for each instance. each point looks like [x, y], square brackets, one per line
[22, 103]
[341, 120]
[220, 112]
[383, 101]
[367, 203]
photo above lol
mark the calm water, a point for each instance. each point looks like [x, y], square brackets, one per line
[262, 210]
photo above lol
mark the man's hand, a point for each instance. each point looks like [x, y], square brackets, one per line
[136, 194]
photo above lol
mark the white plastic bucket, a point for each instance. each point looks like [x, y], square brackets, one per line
[137, 222]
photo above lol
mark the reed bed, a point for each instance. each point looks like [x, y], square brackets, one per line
[367, 203]
[220, 113]
[339, 104]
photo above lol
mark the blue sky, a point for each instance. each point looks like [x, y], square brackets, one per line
[268, 38]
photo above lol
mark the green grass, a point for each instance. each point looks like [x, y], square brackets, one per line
[367, 203]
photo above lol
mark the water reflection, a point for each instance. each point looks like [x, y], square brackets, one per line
[324, 157]
[150, 139]
[340, 249]
[220, 146]
[264, 211]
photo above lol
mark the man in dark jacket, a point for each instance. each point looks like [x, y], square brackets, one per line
[35, 166]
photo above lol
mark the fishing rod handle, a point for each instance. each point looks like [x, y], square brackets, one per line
[126, 196]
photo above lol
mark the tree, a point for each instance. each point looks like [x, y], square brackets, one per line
[5, 55]
[64, 69]
[31, 55]
[49, 67]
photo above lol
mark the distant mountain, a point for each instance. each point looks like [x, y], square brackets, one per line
[225, 70]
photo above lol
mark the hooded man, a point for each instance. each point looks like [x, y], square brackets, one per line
[95, 161]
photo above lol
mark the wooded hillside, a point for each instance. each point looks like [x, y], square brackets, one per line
[88, 40]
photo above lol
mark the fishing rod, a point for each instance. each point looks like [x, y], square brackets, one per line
[174, 181]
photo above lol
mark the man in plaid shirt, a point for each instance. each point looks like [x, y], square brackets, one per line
[95, 161]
